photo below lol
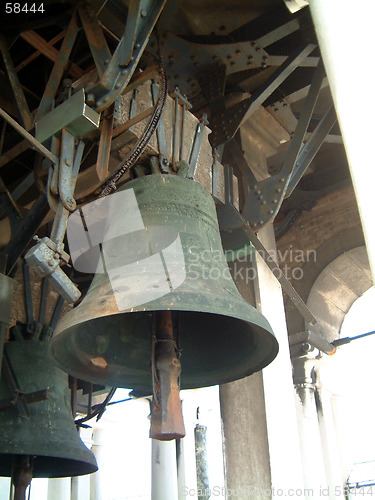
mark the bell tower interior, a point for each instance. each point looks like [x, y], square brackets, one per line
[185, 203]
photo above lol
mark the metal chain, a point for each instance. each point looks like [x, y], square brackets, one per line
[133, 156]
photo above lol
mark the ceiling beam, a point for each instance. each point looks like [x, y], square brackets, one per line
[48, 50]
[37, 53]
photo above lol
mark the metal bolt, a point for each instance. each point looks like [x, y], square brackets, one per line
[124, 72]
[271, 212]
[106, 62]
[143, 13]
[51, 263]
[117, 86]
[261, 222]
[274, 201]
[90, 99]
[137, 45]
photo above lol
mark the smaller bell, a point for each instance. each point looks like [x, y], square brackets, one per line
[43, 434]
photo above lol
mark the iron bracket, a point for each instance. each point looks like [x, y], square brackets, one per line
[225, 123]
[115, 72]
[160, 133]
[186, 59]
[197, 145]
[265, 198]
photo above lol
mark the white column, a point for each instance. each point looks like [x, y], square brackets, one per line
[81, 484]
[59, 488]
[282, 426]
[314, 473]
[332, 457]
[4, 487]
[96, 486]
[164, 471]
[332, 20]
[181, 479]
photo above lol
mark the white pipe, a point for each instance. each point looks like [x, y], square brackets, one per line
[164, 471]
[345, 31]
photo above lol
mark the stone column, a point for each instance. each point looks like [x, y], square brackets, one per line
[281, 416]
[304, 378]
[59, 489]
[246, 455]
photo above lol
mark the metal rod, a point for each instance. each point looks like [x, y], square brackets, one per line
[303, 122]
[23, 107]
[28, 298]
[22, 476]
[61, 59]
[35, 144]
[276, 271]
[347, 340]
[310, 149]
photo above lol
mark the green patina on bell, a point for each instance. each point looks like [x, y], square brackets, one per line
[107, 337]
[48, 435]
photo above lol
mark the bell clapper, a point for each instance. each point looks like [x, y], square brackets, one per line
[22, 476]
[166, 417]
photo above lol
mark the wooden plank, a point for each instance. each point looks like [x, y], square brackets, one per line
[48, 50]
[37, 53]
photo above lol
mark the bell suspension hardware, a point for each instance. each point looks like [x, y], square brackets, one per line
[166, 416]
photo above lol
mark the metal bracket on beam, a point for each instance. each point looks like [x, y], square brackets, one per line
[309, 150]
[276, 271]
[226, 123]
[185, 60]
[265, 197]
[118, 69]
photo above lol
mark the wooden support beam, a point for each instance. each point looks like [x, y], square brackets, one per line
[48, 50]
[37, 53]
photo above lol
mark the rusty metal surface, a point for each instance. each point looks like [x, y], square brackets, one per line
[23, 107]
[59, 67]
[35, 144]
[104, 152]
[166, 417]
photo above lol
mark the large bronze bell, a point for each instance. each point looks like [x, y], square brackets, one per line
[44, 430]
[107, 337]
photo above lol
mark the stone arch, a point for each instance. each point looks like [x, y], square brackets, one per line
[337, 287]
[327, 253]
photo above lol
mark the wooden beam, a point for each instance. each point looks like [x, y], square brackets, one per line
[37, 53]
[48, 50]
[12, 153]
